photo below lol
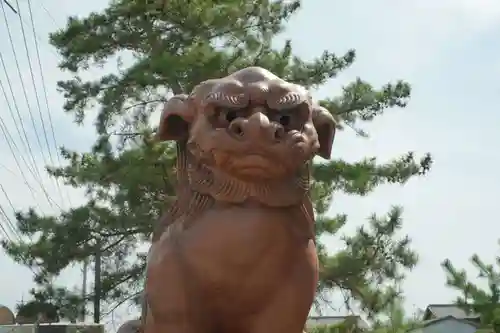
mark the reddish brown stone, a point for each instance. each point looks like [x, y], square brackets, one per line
[236, 252]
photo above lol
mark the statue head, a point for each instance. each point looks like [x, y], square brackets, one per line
[251, 125]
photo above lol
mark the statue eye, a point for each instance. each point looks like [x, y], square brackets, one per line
[290, 119]
[230, 115]
[223, 116]
[284, 120]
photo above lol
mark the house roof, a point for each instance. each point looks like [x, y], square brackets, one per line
[333, 320]
[444, 310]
[440, 319]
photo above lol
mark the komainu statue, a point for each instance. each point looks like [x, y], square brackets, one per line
[236, 252]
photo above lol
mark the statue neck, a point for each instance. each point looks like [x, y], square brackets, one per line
[224, 188]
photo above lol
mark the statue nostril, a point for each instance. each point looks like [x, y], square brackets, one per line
[235, 128]
[279, 133]
[238, 130]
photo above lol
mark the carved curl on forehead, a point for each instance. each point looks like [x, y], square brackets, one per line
[250, 85]
[286, 95]
[229, 93]
[200, 91]
[222, 92]
[223, 99]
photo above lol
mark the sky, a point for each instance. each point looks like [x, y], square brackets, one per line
[447, 50]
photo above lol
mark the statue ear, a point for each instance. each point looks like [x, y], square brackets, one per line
[175, 119]
[325, 126]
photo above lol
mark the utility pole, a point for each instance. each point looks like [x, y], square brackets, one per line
[97, 284]
[36, 326]
[84, 290]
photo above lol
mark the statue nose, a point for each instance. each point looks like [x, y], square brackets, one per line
[256, 127]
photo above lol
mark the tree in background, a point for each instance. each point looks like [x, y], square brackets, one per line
[35, 311]
[394, 319]
[53, 303]
[128, 177]
[350, 325]
[481, 297]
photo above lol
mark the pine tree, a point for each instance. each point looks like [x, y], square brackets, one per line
[349, 325]
[394, 319]
[160, 50]
[473, 298]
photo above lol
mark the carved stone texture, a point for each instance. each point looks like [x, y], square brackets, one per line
[236, 252]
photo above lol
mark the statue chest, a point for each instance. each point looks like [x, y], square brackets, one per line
[241, 236]
[229, 249]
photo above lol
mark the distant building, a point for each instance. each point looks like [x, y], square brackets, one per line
[448, 318]
[434, 311]
[335, 320]
[448, 324]
[437, 318]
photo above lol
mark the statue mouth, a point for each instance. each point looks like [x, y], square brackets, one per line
[251, 164]
[252, 161]
[256, 165]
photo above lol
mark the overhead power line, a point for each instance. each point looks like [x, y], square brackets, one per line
[7, 228]
[23, 137]
[48, 13]
[13, 147]
[10, 6]
[23, 87]
[18, 123]
[8, 222]
[53, 145]
[44, 87]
